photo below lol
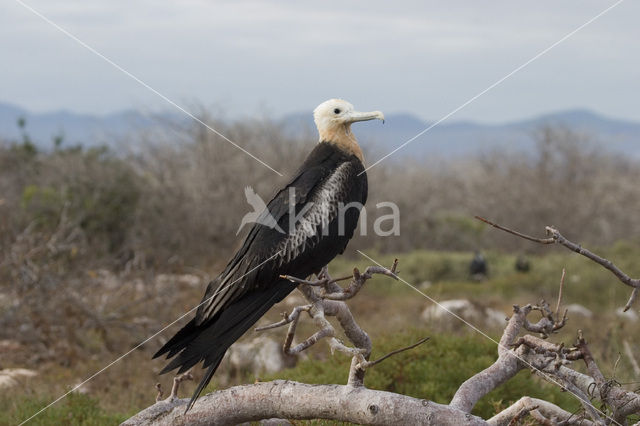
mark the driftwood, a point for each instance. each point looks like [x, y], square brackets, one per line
[602, 401]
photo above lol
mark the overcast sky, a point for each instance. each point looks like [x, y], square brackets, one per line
[422, 57]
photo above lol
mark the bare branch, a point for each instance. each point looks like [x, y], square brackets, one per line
[176, 383]
[632, 359]
[548, 324]
[367, 364]
[160, 393]
[307, 282]
[504, 368]
[632, 298]
[621, 402]
[355, 403]
[292, 400]
[327, 299]
[545, 413]
[560, 293]
[557, 237]
[516, 233]
[359, 280]
[326, 330]
[524, 412]
[624, 278]
[286, 318]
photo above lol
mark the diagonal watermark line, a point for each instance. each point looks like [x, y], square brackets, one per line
[145, 341]
[542, 373]
[139, 81]
[497, 83]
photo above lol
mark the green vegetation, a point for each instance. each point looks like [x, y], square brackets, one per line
[432, 371]
[86, 232]
[447, 273]
[76, 409]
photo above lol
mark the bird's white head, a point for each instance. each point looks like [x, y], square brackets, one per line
[333, 119]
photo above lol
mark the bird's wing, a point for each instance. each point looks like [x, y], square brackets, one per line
[266, 253]
[251, 282]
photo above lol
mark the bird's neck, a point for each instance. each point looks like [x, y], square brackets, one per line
[342, 137]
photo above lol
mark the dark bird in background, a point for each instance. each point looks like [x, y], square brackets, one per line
[478, 269]
[332, 176]
[522, 264]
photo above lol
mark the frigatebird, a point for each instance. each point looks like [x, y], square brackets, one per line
[324, 197]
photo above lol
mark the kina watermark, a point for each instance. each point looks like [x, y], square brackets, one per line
[320, 218]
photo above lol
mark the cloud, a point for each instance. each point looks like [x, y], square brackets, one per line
[424, 57]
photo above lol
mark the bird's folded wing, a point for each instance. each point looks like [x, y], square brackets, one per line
[263, 249]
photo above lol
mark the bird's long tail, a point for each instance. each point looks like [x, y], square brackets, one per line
[209, 341]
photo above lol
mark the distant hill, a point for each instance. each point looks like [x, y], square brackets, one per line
[450, 138]
[455, 138]
[85, 129]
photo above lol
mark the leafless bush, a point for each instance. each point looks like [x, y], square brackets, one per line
[193, 195]
[567, 181]
[174, 201]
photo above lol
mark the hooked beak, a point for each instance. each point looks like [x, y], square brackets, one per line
[363, 116]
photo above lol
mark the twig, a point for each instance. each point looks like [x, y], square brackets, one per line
[632, 298]
[632, 359]
[624, 278]
[316, 283]
[367, 364]
[359, 280]
[557, 237]
[548, 324]
[324, 279]
[286, 318]
[160, 393]
[176, 383]
[560, 293]
[516, 233]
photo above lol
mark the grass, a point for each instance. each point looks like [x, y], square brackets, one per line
[587, 283]
[76, 409]
[390, 312]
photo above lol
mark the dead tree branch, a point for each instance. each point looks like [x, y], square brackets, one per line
[506, 366]
[557, 238]
[543, 412]
[326, 298]
[176, 383]
[550, 361]
[355, 403]
[621, 402]
[292, 400]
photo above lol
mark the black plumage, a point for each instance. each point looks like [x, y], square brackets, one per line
[478, 266]
[330, 179]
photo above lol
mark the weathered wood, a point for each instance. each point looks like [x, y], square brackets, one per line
[293, 400]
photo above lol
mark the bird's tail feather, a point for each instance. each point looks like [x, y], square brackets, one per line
[203, 383]
[179, 341]
[209, 341]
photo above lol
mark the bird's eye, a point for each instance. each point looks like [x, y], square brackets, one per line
[337, 110]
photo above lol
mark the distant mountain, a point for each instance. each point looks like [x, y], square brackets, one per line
[450, 138]
[457, 138]
[85, 129]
